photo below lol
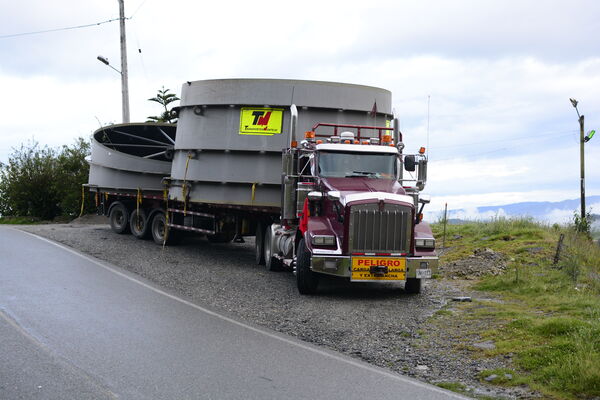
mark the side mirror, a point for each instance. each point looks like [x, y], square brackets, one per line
[425, 199]
[410, 163]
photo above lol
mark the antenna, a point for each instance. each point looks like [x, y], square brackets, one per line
[428, 98]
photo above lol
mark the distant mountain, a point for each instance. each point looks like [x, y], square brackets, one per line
[559, 211]
[537, 209]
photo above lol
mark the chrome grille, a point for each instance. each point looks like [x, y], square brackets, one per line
[382, 231]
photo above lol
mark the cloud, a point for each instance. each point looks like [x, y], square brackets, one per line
[499, 75]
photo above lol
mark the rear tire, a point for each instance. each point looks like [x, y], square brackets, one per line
[271, 262]
[412, 286]
[259, 245]
[306, 279]
[138, 224]
[119, 218]
[159, 230]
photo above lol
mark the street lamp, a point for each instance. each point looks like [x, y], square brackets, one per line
[582, 139]
[104, 60]
[124, 88]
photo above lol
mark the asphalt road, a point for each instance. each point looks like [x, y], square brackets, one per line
[72, 327]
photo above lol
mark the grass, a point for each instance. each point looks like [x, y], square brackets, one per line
[549, 319]
[453, 386]
[10, 220]
[19, 221]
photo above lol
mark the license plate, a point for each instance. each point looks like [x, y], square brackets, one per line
[378, 269]
[423, 273]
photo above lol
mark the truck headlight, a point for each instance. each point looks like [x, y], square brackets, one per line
[323, 240]
[425, 243]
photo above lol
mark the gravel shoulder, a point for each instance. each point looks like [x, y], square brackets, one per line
[380, 324]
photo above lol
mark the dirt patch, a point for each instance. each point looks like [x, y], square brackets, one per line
[90, 219]
[482, 262]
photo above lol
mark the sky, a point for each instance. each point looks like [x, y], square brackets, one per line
[484, 85]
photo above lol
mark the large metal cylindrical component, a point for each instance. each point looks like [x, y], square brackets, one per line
[231, 132]
[131, 156]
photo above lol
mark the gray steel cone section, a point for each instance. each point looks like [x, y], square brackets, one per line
[131, 156]
[223, 163]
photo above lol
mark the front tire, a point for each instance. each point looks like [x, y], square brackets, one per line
[306, 279]
[412, 286]
[259, 245]
[271, 262]
[119, 218]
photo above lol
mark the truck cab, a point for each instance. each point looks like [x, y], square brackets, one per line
[357, 209]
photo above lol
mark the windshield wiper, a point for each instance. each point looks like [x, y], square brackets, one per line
[360, 174]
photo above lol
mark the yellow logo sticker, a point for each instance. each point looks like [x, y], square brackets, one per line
[261, 121]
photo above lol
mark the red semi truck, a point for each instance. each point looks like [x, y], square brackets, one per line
[341, 199]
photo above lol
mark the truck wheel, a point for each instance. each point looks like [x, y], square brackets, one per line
[138, 224]
[119, 218]
[259, 245]
[307, 280]
[412, 286]
[272, 263]
[159, 229]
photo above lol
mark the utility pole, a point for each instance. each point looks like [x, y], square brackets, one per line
[124, 76]
[582, 165]
[582, 140]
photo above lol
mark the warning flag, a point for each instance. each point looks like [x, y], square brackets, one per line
[374, 109]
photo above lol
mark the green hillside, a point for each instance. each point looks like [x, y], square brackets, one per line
[545, 317]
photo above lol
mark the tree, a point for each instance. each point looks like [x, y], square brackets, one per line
[164, 98]
[44, 182]
[26, 183]
[72, 170]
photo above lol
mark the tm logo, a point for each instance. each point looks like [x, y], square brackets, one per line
[261, 118]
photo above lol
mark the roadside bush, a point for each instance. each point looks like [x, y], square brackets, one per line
[43, 182]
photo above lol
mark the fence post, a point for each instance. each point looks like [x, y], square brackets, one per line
[558, 248]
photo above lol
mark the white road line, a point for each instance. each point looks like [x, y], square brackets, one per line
[249, 327]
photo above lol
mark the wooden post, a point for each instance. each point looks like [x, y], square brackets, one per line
[445, 222]
[558, 248]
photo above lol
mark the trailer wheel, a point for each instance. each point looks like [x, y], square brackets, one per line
[306, 279]
[412, 286]
[159, 230]
[138, 224]
[119, 218]
[259, 245]
[272, 263]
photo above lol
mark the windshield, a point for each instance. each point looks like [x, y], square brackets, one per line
[336, 164]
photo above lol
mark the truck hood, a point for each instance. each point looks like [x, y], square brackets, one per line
[360, 188]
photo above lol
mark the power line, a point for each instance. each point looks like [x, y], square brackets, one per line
[59, 29]
[138, 9]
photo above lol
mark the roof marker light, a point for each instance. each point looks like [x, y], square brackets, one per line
[422, 150]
